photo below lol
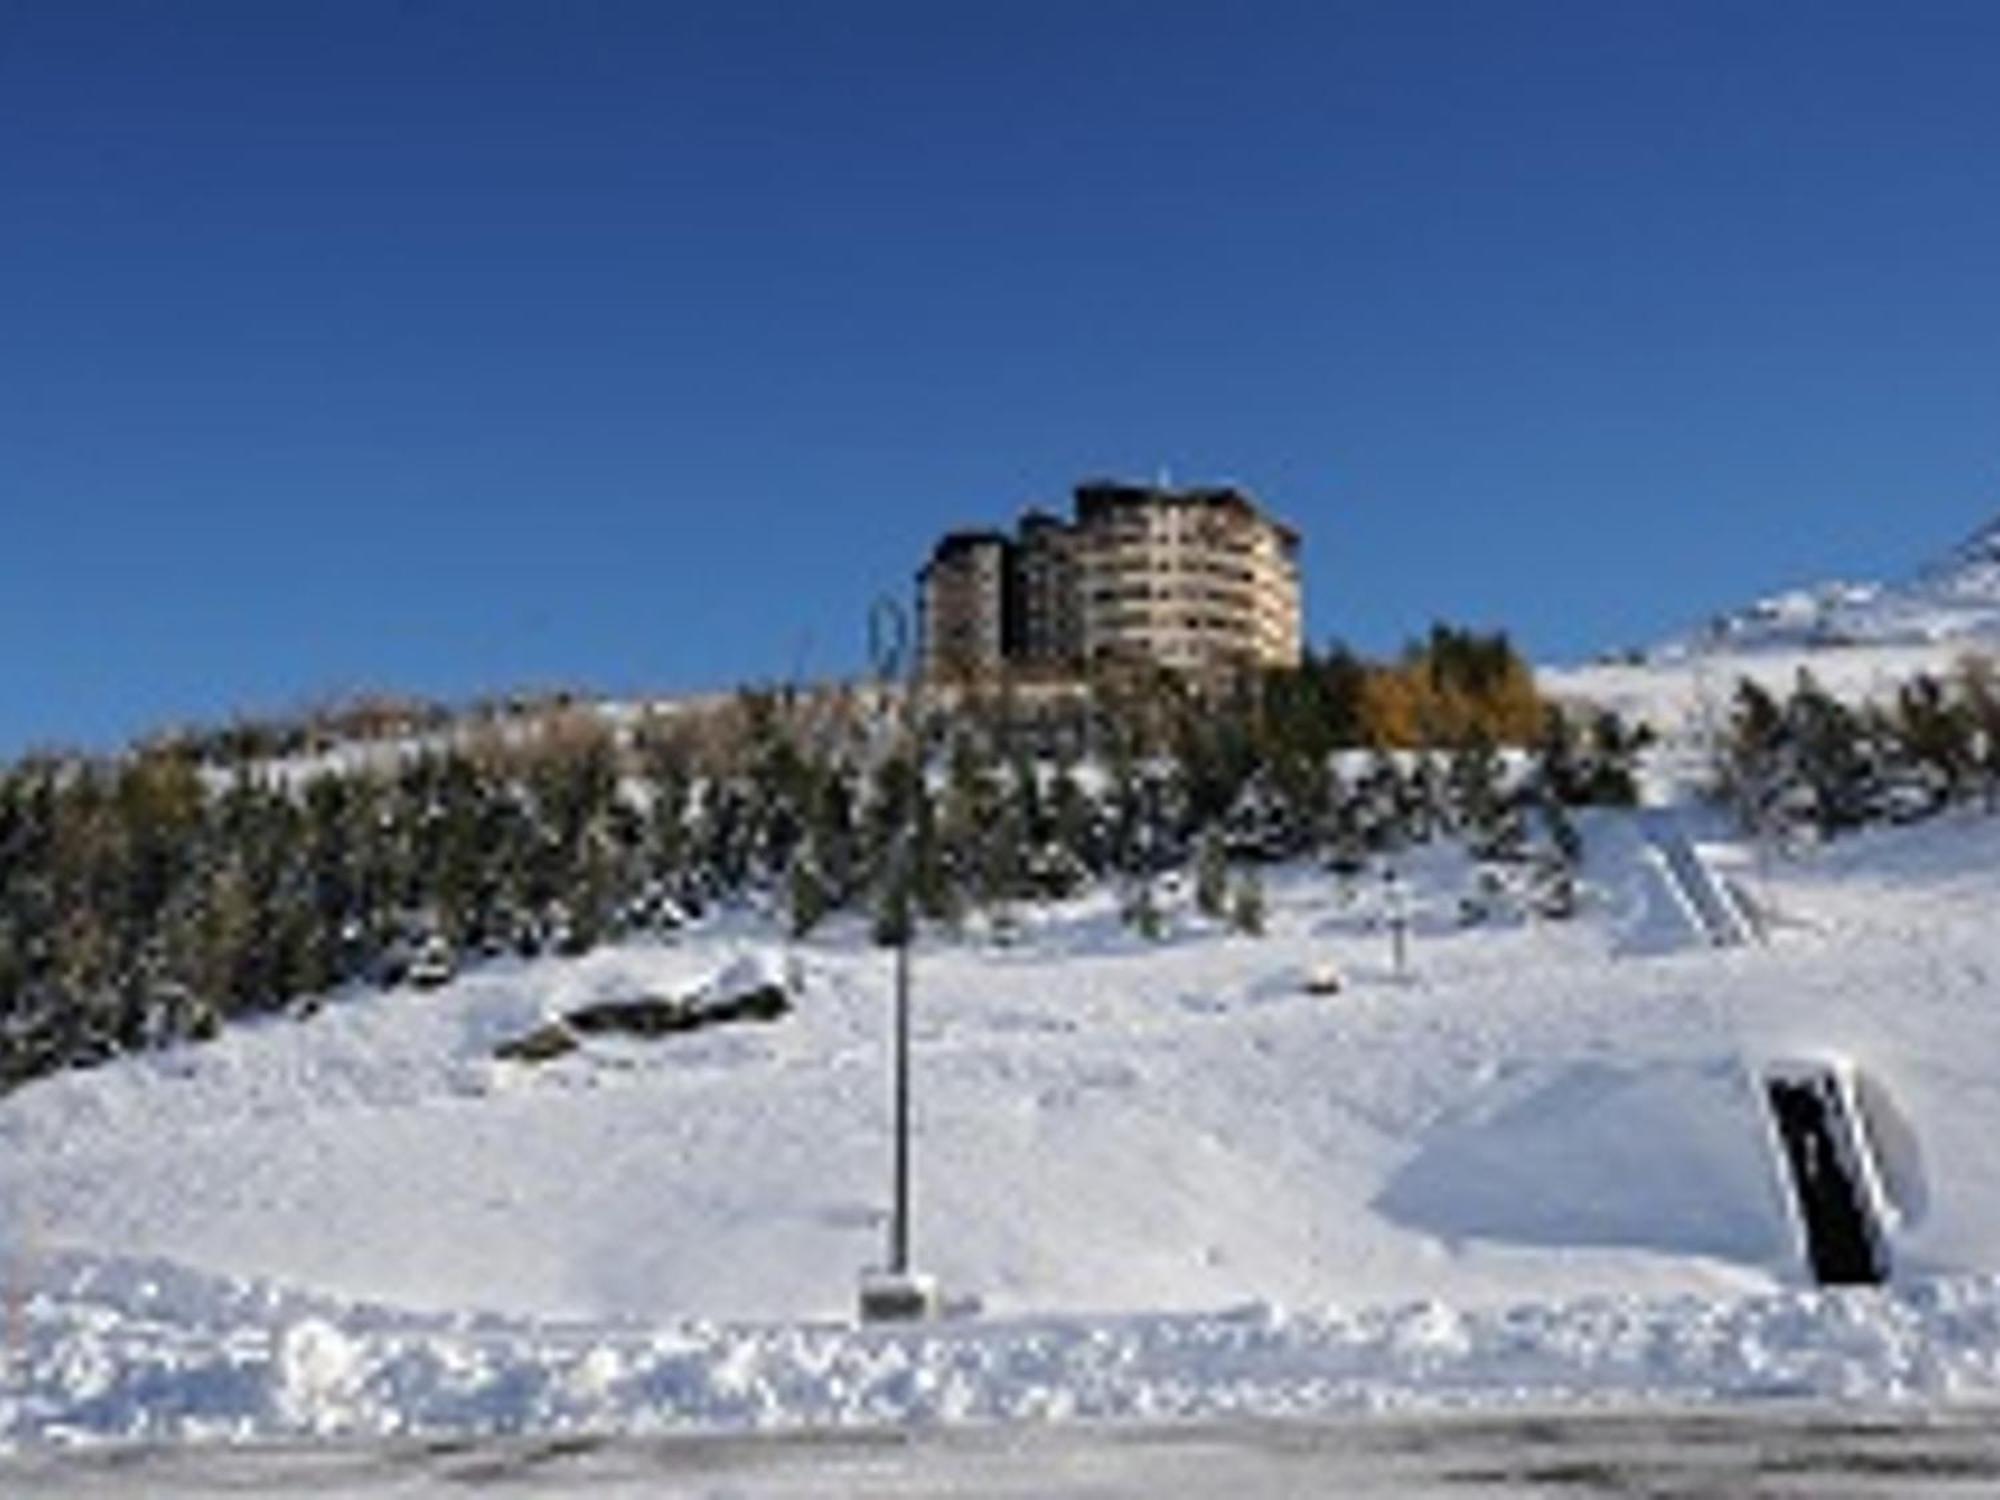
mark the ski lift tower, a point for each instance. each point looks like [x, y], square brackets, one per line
[894, 1292]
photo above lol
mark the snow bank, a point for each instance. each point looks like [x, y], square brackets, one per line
[110, 1352]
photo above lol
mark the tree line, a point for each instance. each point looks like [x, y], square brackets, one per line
[153, 896]
[1808, 765]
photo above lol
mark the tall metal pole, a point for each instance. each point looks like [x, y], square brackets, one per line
[899, 1224]
[888, 630]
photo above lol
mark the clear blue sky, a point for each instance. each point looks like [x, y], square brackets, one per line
[447, 347]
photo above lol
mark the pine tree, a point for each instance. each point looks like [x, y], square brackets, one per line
[1612, 775]
[1473, 777]
[807, 900]
[1753, 761]
[1833, 758]
[1211, 876]
[1073, 821]
[1561, 774]
[1979, 692]
[1140, 910]
[1934, 738]
[1246, 909]
[1563, 834]
[1379, 804]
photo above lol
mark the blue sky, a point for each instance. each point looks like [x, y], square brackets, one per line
[451, 347]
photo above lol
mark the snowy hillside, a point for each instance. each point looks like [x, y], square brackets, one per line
[1956, 598]
[1536, 1165]
[1685, 695]
[1860, 641]
[1204, 1174]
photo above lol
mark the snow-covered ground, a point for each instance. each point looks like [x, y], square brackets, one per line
[1107, 1124]
[1860, 640]
[1688, 694]
[1534, 1168]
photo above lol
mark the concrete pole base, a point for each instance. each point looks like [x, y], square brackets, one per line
[899, 1297]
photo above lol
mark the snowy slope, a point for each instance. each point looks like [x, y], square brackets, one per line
[1686, 695]
[1108, 1129]
[1955, 598]
[1107, 1125]
[1861, 641]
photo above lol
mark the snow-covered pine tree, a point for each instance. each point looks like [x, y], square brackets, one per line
[1211, 875]
[1246, 904]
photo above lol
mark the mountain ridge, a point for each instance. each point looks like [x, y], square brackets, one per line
[1954, 597]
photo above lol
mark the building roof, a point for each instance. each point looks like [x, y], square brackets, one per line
[1096, 496]
[952, 543]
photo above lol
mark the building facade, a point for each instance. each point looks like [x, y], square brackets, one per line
[1191, 578]
[1048, 627]
[964, 604]
[1197, 579]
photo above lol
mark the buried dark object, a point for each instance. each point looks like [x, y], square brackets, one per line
[1822, 1154]
[646, 1017]
[654, 1015]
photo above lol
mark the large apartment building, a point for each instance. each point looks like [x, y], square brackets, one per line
[1197, 579]
[965, 603]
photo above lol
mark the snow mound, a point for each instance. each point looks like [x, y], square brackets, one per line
[746, 974]
[105, 1353]
[1667, 1158]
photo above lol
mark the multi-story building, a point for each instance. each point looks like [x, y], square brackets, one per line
[1198, 579]
[964, 604]
[1048, 627]
[1191, 578]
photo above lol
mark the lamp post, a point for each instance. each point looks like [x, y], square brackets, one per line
[896, 1293]
[899, 1219]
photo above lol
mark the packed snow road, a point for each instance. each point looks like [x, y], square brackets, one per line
[1823, 1453]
